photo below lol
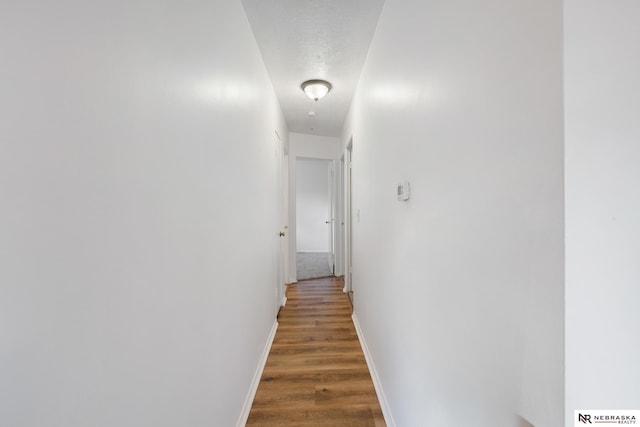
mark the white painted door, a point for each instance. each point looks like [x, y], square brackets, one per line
[331, 216]
[280, 226]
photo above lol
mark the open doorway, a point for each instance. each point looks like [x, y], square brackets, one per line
[315, 218]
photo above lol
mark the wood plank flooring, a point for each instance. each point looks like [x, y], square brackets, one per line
[316, 373]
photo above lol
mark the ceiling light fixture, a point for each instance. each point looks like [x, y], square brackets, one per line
[316, 89]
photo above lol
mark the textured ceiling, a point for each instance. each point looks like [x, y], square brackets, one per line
[314, 39]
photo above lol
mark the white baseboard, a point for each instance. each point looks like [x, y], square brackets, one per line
[384, 405]
[248, 402]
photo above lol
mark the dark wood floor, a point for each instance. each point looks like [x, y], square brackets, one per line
[316, 373]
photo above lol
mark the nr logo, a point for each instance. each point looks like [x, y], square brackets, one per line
[584, 418]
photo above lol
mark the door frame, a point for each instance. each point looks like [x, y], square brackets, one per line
[348, 216]
[293, 159]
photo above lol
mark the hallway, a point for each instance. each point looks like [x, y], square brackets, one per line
[316, 373]
[149, 226]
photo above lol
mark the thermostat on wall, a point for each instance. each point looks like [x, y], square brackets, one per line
[403, 191]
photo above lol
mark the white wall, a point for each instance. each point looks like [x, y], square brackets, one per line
[312, 205]
[459, 292]
[602, 184]
[312, 147]
[123, 299]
